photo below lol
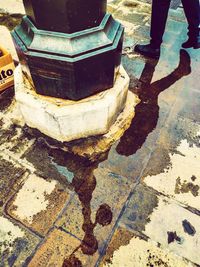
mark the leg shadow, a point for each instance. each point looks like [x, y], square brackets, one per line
[147, 111]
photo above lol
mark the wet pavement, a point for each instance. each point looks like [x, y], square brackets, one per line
[138, 204]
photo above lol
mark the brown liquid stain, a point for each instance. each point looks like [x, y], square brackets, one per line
[84, 184]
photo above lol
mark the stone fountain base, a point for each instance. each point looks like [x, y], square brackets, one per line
[97, 121]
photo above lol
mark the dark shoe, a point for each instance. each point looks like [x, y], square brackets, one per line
[148, 50]
[195, 43]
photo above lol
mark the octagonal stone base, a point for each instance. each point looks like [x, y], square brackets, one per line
[66, 120]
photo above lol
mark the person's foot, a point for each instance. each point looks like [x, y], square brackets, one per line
[195, 43]
[148, 50]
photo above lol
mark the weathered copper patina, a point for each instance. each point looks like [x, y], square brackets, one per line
[72, 49]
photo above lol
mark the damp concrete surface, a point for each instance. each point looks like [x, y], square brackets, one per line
[136, 204]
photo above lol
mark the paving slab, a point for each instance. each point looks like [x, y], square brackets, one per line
[11, 176]
[127, 249]
[40, 155]
[176, 229]
[13, 139]
[94, 210]
[38, 203]
[16, 245]
[173, 168]
[139, 208]
[187, 105]
[158, 93]
[67, 247]
[164, 221]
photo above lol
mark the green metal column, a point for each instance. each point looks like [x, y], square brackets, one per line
[72, 48]
[65, 15]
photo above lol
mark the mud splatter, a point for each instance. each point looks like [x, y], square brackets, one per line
[186, 187]
[172, 236]
[193, 178]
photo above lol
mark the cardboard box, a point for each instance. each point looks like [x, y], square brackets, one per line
[6, 70]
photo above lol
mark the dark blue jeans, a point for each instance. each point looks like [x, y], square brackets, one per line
[160, 10]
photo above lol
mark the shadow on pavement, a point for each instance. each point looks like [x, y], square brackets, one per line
[147, 111]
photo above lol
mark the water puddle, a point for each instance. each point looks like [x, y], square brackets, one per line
[147, 112]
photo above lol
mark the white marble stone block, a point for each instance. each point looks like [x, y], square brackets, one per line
[66, 120]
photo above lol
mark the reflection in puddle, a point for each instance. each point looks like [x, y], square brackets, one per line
[63, 171]
[80, 173]
[147, 111]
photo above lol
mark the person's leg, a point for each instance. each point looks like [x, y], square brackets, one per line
[159, 15]
[192, 13]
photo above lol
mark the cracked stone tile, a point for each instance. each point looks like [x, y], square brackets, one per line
[173, 168]
[16, 244]
[11, 176]
[38, 203]
[94, 210]
[62, 249]
[127, 249]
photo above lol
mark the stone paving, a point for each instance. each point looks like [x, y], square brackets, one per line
[138, 205]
